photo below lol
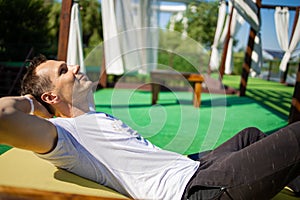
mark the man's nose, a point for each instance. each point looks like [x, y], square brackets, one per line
[75, 68]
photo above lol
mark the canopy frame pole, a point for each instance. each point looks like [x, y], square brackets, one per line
[248, 55]
[65, 18]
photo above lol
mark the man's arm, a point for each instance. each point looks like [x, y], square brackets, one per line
[21, 130]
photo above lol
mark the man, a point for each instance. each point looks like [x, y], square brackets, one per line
[102, 148]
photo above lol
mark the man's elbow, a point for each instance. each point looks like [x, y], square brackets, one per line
[5, 111]
[6, 116]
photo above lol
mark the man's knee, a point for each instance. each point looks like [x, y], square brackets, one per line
[295, 129]
[254, 133]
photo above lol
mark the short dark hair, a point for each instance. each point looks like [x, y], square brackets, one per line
[34, 84]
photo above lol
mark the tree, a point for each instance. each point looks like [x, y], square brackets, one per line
[53, 26]
[181, 53]
[23, 25]
[91, 22]
[203, 21]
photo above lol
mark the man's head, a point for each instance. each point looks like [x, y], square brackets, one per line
[56, 85]
[34, 84]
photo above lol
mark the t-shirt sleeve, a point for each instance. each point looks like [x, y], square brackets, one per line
[61, 155]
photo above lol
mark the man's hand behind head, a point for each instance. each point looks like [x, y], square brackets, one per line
[39, 109]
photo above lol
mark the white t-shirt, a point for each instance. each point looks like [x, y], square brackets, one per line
[102, 148]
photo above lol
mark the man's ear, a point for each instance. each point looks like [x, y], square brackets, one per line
[50, 98]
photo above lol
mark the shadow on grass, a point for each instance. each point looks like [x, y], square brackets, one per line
[278, 102]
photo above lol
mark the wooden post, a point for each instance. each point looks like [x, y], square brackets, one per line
[248, 54]
[103, 75]
[66, 6]
[270, 70]
[283, 74]
[247, 62]
[295, 106]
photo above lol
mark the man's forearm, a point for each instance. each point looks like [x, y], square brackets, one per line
[19, 129]
[10, 109]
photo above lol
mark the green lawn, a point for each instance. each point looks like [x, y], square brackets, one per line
[176, 125]
[272, 94]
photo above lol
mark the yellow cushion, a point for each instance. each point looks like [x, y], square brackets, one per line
[20, 168]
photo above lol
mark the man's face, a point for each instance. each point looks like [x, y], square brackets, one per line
[69, 84]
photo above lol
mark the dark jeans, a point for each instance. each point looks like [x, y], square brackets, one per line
[251, 165]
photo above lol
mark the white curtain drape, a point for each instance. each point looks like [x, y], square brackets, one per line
[131, 38]
[75, 50]
[236, 23]
[113, 59]
[221, 33]
[257, 55]
[138, 27]
[281, 18]
[249, 11]
[214, 57]
[281, 23]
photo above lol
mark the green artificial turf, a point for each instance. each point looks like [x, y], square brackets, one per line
[272, 94]
[4, 148]
[176, 125]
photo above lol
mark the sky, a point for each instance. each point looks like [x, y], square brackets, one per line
[269, 38]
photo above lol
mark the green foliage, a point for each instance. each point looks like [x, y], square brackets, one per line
[35, 23]
[190, 53]
[23, 25]
[53, 25]
[238, 60]
[202, 21]
[176, 62]
[181, 53]
[91, 23]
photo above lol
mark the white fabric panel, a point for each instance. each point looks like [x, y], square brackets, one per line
[132, 44]
[225, 30]
[256, 56]
[113, 57]
[294, 42]
[248, 10]
[214, 57]
[228, 61]
[129, 38]
[75, 50]
[281, 17]
[236, 23]
[148, 17]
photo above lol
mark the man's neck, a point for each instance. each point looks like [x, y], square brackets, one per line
[79, 106]
[69, 111]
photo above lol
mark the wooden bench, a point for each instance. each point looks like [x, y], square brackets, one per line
[159, 77]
